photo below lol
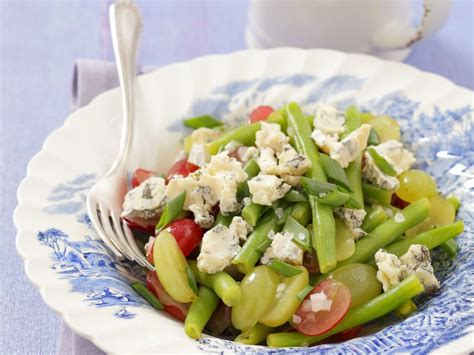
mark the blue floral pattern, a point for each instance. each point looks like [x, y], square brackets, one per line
[442, 140]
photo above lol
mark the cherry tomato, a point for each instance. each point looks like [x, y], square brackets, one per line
[181, 167]
[187, 233]
[398, 202]
[141, 175]
[176, 309]
[261, 113]
[316, 323]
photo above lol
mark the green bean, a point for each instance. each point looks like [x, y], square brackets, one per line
[223, 220]
[334, 172]
[147, 295]
[389, 231]
[171, 211]
[354, 172]
[301, 212]
[301, 235]
[244, 134]
[381, 162]
[374, 138]
[324, 235]
[405, 309]
[333, 198]
[375, 216]
[283, 268]
[249, 254]
[221, 282]
[431, 239]
[254, 335]
[352, 121]
[251, 213]
[450, 247]
[375, 308]
[203, 121]
[374, 194]
[454, 201]
[200, 312]
[295, 196]
[252, 169]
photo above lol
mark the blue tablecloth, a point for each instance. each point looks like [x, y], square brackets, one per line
[39, 42]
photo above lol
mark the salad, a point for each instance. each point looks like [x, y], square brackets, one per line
[291, 229]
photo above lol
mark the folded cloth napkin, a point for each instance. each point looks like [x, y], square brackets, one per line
[91, 77]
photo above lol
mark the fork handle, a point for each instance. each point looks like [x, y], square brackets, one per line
[125, 28]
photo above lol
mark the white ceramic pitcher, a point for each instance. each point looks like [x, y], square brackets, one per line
[387, 28]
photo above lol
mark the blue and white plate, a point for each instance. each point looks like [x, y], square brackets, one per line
[80, 280]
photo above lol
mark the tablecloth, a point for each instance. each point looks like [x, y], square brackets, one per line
[39, 42]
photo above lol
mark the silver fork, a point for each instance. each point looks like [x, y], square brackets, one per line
[104, 201]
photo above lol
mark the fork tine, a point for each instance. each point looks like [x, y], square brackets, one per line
[133, 252]
[109, 231]
[141, 259]
[92, 208]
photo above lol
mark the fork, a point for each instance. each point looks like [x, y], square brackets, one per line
[104, 201]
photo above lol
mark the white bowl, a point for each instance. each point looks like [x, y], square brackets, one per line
[79, 279]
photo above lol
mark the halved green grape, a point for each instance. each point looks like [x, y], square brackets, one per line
[442, 213]
[171, 266]
[258, 292]
[361, 279]
[415, 184]
[345, 244]
[387, 128]
[287, 303]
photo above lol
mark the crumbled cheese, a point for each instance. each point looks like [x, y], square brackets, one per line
[247, 201]
[232, 146]
[390, 269]
[353, 218]
[239, 227]
[280, 290]
[372, 173]
[198, 155]
[296, 319]
[204, 135]
[292, 163]
[325, 142]
[145, 200]
[203, 198]
[219, 246]
[179, 184]
[348, 149]
[291, 179]
[417, 261]
[266, 189]
[320, 302]
[225, 167]
[328, 119]
[247, 153]
[399, 158]
[283, 248]
[398, 218]
[271, 136]
[267, 161]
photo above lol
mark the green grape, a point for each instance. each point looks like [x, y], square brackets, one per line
[361, 279]
[171, 266]
[387, 128]
[442, 213]
[258, 292]
[415, 184]
[286, 305]
[345, 245]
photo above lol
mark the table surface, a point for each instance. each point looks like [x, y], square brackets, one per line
[39, 41]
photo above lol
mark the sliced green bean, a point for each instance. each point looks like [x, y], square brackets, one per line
[223, 220]
[192, 280]
[352, 121]
[381, 162]
[252, 169]
[301, 235]
[304, 292]
[334, 172]
[250, 254]
[376, 308]
[374, 194]
[454, 201]
[251, 213]
[221, 282]
[333, 198]
[295, 196]
[406, 309]
[431, 239]
[206, 121]
[450, 247]
[284, 269]
[354, 175]
[374, 138]
[375, 216]
[389, 231]
[171, 211]
[147, 295]
[301, 212]
[254, 335]
[200, 312]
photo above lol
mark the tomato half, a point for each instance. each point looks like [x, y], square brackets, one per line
[398, 202]
[261, 113]
[144, 225]
[141, 175]
[187, 233]
[181, 167]
[316, 323]
[176, 309]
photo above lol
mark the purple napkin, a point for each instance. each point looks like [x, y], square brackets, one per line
[91, 77]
